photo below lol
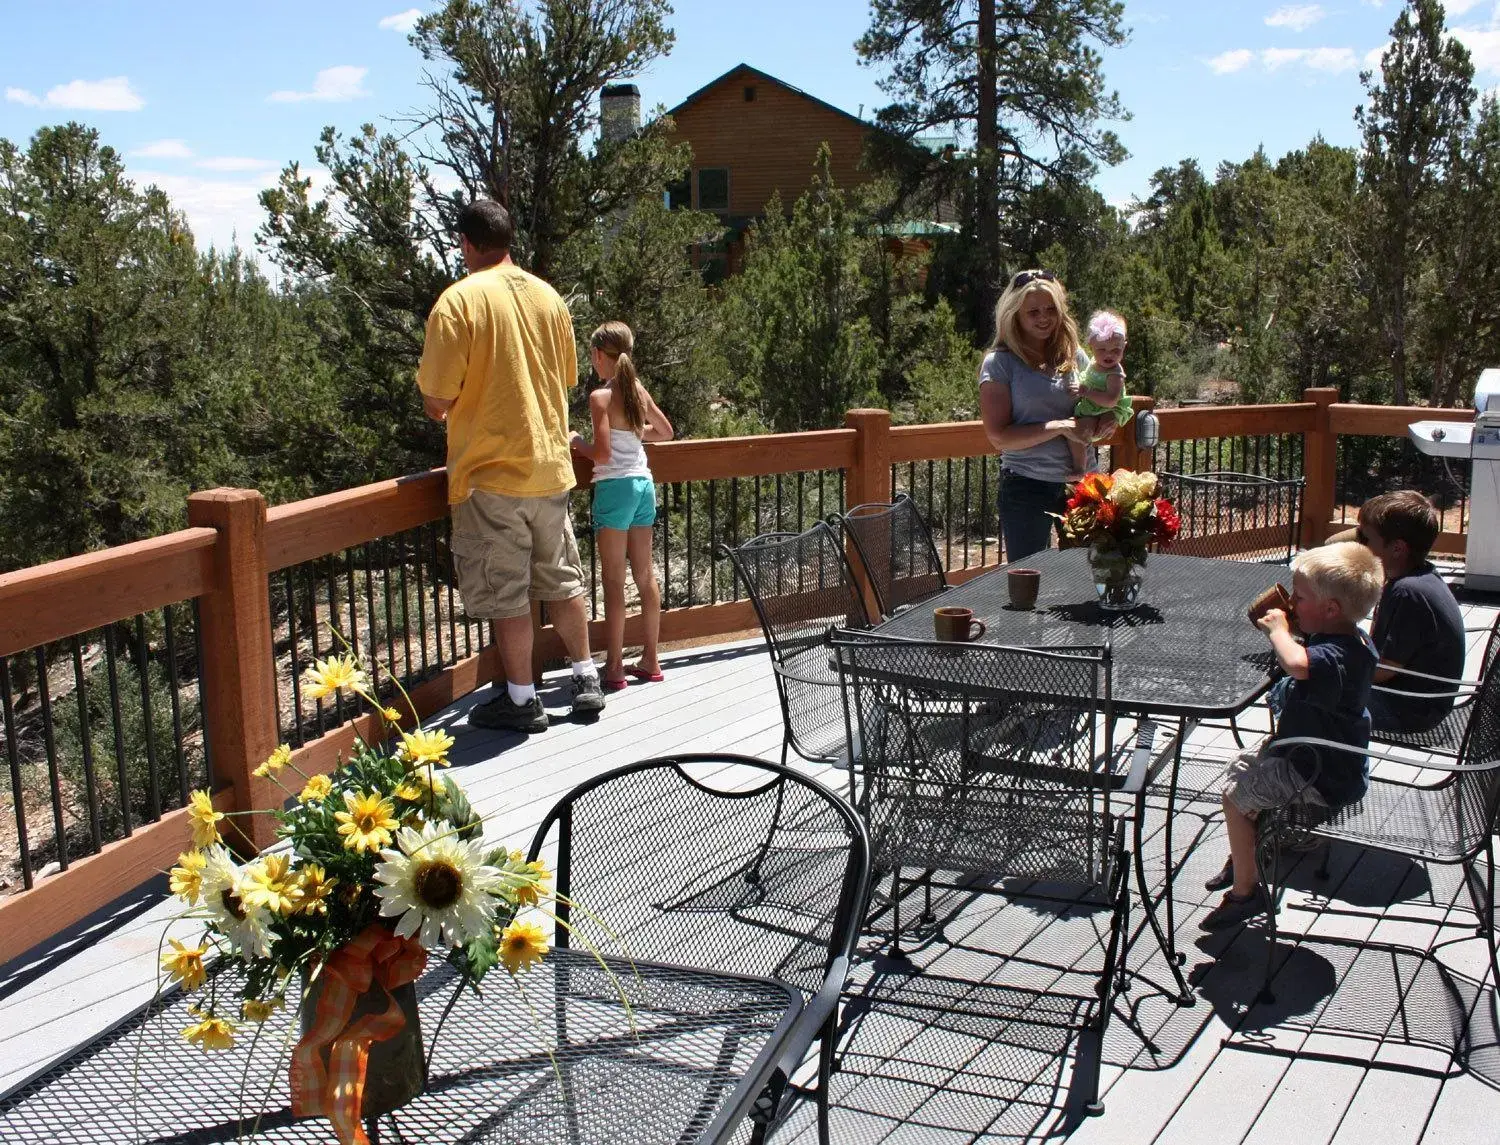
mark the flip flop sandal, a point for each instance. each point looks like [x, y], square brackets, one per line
[641, 674]
[615, 685]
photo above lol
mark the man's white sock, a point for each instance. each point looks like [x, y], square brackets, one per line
[584, 668]
[521, 694]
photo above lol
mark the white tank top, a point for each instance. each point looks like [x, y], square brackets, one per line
[627, 457]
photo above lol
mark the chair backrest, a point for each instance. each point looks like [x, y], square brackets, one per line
[1240, 515]
[801, 585]
[984, 759]
[1478, 791]
[717, 861]
[896, 550]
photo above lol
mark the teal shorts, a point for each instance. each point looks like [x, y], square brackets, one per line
[624, 503]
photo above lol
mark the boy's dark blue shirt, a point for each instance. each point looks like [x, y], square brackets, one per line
[1332, 704]
[1418, 625]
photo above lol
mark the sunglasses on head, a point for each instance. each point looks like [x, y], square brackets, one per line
[1026, 276]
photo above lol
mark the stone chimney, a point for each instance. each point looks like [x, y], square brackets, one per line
[619, 112]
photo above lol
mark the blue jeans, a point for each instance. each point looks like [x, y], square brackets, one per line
[1024, 505]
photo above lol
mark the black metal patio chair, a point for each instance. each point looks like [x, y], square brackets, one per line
[1238, 516]
[995, 763]
[896, 551]
[724, 862]
[800, 585]
[1448, 821]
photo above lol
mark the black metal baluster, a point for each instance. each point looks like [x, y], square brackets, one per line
[352, 636]
[759, 518]
[49, 740]
[734, 526]
[984, 510]
[333, 618]
[419, 560]
[122, 769]
[171, 650]
[713, 544]
[689, 556]
[208, 759]
[86, 746]
[967, 517]
[289, 587]
[143, 666]
[12, 756]
[947, 513]
[372, 646]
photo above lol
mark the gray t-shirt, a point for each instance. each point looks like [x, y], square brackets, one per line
[1037, 397]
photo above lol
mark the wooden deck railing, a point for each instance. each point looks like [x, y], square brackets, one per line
[235, 543]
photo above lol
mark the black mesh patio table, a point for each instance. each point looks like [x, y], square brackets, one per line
[1186, 651]
[570, 1052]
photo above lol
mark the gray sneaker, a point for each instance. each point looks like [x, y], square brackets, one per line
[504, 714]
[588, 696]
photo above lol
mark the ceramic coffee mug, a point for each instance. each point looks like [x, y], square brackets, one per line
[956, 624]
[1273, 597]
[1023, 584]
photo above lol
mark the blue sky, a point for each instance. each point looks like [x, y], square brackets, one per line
[209, 100]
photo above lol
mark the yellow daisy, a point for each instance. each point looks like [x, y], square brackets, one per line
[423, 746]
[275, 761]
[416, 787]
[210, 1033]
[269, 882]
[318, 787]
[255, 1010]
[203, 819]
[392, 716]
[367, 822]
[521, 945]
[528, 893]
[186, 878]
[336, 673]
[313, 887]
[185, 963]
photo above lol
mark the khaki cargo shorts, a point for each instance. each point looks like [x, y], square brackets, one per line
[509, 551]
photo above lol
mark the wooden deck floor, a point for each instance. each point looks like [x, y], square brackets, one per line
[1426, 1067]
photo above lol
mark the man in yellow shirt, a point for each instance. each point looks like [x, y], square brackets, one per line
[497, 365]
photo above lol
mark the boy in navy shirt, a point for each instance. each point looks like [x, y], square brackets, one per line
[1325, 695]
[1418, 625]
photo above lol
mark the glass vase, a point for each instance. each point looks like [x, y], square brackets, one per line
[1117, 577]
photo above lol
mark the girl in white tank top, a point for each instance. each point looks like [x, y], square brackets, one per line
[623, 417]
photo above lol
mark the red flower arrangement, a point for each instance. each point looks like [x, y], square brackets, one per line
[1119, 515]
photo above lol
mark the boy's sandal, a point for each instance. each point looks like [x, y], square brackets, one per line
[615, 685]
[641, 674]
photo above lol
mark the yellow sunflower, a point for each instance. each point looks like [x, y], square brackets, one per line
[335, 674]
[367, 822]
[210, 1033]
[275, 762]
[185, 963]
[203, 819]
[269, 882]
[521, 945]
[186, 878]
[423, 746]
[313, 887]
[255, 1010]
[316, 788]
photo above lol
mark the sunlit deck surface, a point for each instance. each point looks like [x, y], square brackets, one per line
[1359, 1046]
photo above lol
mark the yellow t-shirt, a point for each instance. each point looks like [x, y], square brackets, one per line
[500, 342]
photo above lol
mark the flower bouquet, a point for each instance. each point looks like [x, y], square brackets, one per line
[1119, 517]
[385, 862]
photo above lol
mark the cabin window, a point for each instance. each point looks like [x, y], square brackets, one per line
[713, 188]
[749, 93]
[679, 194]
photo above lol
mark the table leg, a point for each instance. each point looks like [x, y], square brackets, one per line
[1165, 940]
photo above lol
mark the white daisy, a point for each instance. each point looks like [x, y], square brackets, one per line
[439, 883]
[244, 926]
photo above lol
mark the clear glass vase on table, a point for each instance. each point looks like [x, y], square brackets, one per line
[1119, 518]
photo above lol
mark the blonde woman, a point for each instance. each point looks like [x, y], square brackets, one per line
[1026, 400]
[623, 417]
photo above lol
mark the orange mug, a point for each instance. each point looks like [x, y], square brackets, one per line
[955, 624]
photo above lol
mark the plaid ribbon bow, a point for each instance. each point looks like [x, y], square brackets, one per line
[336, 1091]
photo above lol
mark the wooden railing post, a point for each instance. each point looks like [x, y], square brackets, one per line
[1319, 467]
[869, 480]
[238, 673]
[1123, 451]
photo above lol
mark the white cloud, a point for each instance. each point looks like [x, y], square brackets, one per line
[1483, 45]
[1373, 57]
[1297, 17]
[401, 21]
[234, 163]
[1331, 60]
[112, 94]
[164, 149]
[331, 85]
[1233, 61]
[1274, 58]
[1459, 7]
